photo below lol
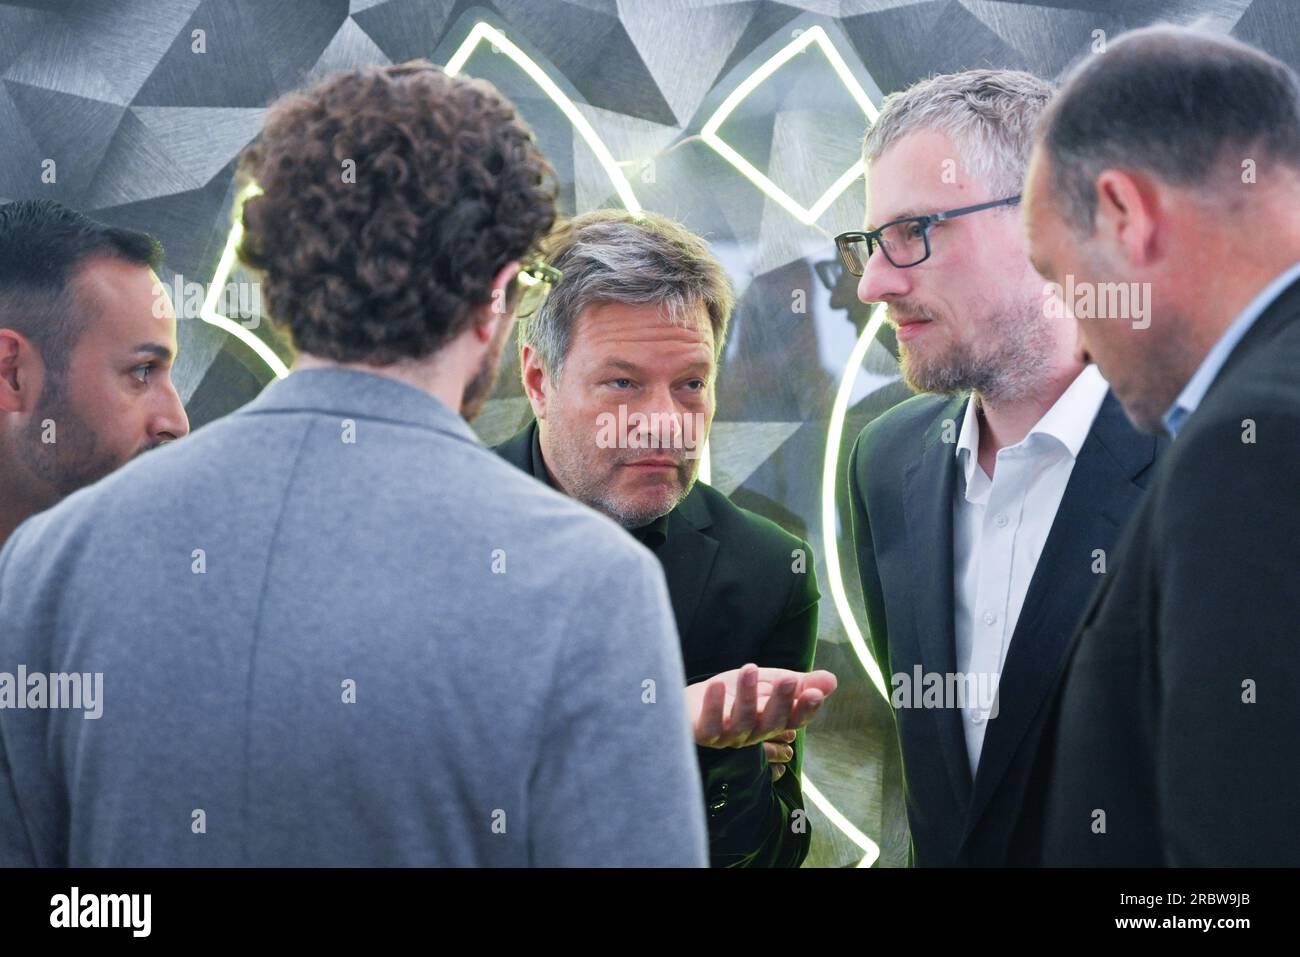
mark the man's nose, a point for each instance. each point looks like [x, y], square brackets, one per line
[663, 418]
[882, 280]
[171, 421]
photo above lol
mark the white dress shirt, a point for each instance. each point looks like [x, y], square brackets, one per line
[1000, 526]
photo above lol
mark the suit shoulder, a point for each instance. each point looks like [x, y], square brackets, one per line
[904, 422]
[1242, 434]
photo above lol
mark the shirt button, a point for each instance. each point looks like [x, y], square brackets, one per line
[989, 618]
[1001, 520]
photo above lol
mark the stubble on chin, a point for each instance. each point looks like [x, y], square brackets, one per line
[1013, 363]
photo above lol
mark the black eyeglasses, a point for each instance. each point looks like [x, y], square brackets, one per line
[535, 283]
[905, 242]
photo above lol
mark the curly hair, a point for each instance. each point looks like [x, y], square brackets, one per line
[390, 199]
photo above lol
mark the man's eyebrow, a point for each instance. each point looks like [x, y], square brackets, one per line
[155, 349]
[628, 366]
[624, 364]
[909, 213]
[698, 368]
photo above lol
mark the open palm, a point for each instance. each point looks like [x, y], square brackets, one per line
[747, 705]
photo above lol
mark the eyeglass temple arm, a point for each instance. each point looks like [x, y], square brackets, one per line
[954, 213]
[874, 235]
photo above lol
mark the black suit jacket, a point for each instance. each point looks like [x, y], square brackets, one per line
[1179, 715]
[902, 478]
[736, 599]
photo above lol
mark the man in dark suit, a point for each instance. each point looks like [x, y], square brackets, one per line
[1172, 163]
[619, 366]
[982, 513]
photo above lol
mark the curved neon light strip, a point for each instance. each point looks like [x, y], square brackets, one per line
[709, 133]
[225, 265]
[835, 431]
[870, 850]
[483, 31]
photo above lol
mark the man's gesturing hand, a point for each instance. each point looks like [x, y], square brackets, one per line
[738, 708]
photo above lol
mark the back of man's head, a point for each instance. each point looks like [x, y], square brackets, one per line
[1192, 108]
[391, 197]
[43, 246]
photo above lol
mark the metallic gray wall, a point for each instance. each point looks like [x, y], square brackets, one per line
[144, 131]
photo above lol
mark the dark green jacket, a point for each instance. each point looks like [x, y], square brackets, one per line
[736, 599]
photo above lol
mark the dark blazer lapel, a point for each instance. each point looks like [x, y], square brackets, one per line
[929, 484]
[1099, 495]
[687, 555]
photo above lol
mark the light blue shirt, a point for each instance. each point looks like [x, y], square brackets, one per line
[1200, 383]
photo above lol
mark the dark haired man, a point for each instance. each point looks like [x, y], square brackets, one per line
[87, 341]
[368, 640]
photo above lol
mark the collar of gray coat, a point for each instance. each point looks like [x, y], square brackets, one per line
[352, 393]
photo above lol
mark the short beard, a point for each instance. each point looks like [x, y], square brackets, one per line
[1012, 363]
[480, 385]
[591, 487]
[73, 460]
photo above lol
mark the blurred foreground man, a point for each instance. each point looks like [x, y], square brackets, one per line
[620, 365]
[87, 342]
[1169, 169]
[979, 509]
[333, 628]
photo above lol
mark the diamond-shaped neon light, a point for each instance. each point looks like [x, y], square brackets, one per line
[817, 35]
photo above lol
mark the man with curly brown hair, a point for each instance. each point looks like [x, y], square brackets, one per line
[362, 638]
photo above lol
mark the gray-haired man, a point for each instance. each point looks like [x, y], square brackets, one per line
[620, 365]
[981, 511]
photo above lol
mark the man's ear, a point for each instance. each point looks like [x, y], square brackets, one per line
[498, 309]
[536, 382]
[1128, 214]
[21, 372]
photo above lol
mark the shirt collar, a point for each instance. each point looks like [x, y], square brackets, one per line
[1190, 398]
[651, 535]
[1068, 421]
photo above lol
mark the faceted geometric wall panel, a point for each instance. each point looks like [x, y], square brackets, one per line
[139, 109]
